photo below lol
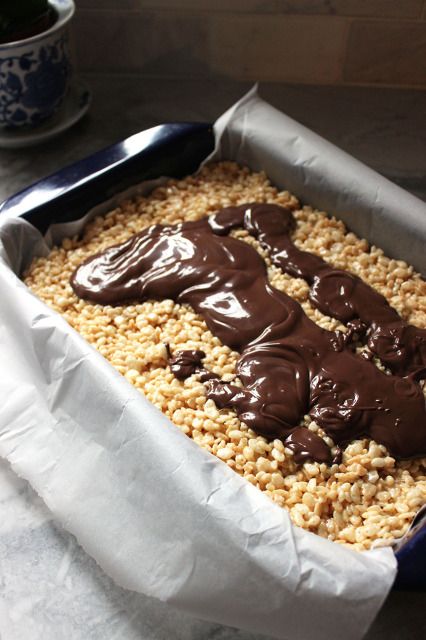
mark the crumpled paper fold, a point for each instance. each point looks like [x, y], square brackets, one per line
[254, 133]
[160, 515]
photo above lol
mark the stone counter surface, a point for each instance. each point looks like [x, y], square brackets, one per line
[385, 128]
[382, 127]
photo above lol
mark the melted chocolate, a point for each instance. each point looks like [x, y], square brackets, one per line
[288, 366]
[306, 445]
[186, 363]
[336, 293]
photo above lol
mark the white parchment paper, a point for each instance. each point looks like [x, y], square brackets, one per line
[161, 516]
[254, 133]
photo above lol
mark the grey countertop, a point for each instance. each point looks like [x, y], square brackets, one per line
[382, 127]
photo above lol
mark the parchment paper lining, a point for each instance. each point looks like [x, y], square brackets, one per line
[160, 515]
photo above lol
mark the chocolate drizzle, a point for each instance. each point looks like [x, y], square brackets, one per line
[186, 363]
[288, 366]
[336, 293]
[306, 445]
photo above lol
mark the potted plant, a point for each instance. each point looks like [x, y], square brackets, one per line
[35, 65]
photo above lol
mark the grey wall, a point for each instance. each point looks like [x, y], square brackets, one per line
[338, 42]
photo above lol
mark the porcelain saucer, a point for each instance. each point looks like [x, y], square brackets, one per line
[74, 107]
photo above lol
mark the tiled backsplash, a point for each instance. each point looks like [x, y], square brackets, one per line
[352, 42]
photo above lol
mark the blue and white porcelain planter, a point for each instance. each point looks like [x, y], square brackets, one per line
[35, 72]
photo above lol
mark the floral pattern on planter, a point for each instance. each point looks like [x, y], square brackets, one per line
[33, 84]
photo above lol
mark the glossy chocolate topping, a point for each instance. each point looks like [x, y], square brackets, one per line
[336, 293]
[306, 445]
[289, 366]
[186, 363]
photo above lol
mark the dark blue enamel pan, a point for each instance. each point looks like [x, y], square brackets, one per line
[175, 150]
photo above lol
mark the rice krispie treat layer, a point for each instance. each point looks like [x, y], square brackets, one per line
[369, 499]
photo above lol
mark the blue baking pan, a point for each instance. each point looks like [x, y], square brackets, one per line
[173, 149]
[176, 150]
